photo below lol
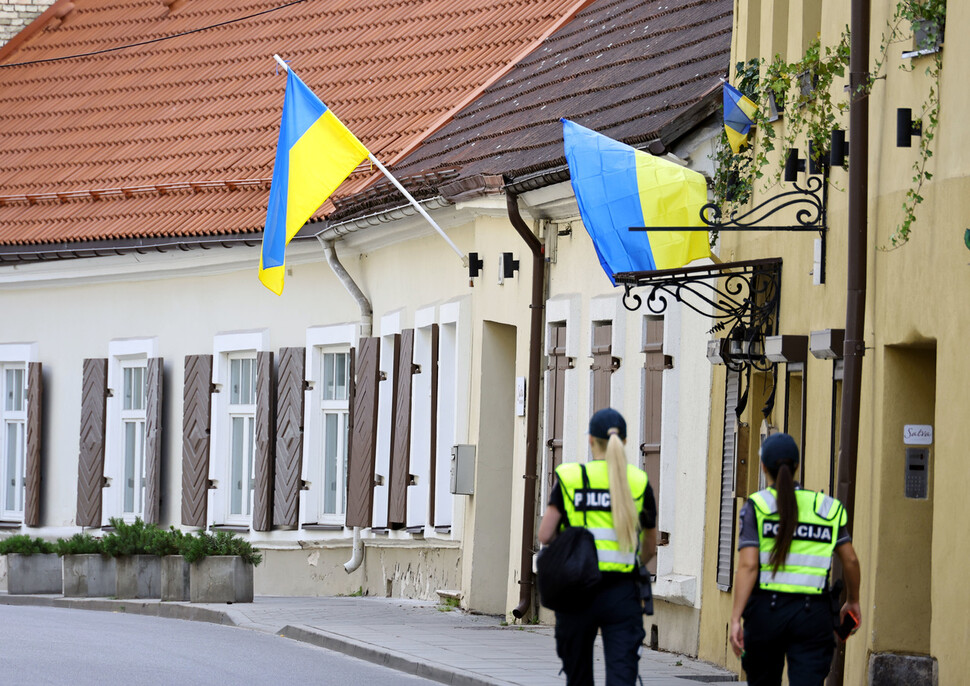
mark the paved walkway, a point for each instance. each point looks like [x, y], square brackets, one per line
[449, 646]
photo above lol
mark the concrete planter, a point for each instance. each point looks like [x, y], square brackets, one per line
[221, 579]
[138, 576]
[89, 576]
[29, 574]
[175, 578]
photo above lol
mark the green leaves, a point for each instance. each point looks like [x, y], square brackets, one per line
[79, 544]
[22, 544]
[204, 544]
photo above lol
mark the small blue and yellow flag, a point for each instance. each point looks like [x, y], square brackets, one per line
[314, 155]
[738, 117]
[618, 187]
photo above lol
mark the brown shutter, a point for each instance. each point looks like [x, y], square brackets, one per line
[725, 534]
[653, 374]
[558, 364]
[153, 438]
[90, 466]
[432, 470]
[196, 417]
[363, 430]
[265, 443]
[603, 364]
[289, 437]
[32, 485]
[400, 476]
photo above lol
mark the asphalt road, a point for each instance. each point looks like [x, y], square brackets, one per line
[43, 645]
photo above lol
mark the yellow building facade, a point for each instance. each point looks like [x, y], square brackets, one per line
[911, 542]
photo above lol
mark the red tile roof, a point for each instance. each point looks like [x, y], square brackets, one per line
[177, 137]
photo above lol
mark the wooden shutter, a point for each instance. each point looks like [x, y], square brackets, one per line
[265, 443]
[196, 417]
[363, 431]
[725, 534]
[558, 364]
[654, 364]
[90, 466]
[32, 484]
[400, 476]
[154, 373]
[603, 364]
[432, 471]
[289, 437]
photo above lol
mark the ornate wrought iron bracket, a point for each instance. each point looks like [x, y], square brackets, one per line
[741, 297]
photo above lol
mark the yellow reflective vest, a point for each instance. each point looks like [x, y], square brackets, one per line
[807, 566]
[595, 502]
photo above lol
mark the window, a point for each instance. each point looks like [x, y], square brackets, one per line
[242, 433]
[13, 419]
[334, 408]
[133, 429]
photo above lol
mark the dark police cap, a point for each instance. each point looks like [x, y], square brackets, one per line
[604, 420]
[779, 448]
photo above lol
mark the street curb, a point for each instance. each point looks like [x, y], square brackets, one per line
[386, 658]
[150, 608]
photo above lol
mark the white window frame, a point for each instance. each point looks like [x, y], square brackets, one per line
[124, 354]
[227, 347]
[320, 340]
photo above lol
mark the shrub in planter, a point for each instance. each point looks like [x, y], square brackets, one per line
[32, 566]
[88, 572]
[139, 569]
[221, 568]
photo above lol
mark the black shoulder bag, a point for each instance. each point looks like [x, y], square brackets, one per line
[569, 566]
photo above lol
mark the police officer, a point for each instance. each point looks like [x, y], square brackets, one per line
[617, 503]
[788, 536]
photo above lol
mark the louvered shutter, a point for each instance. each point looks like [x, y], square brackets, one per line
[363, 430]
[90, 467]
[32, 484]
[400, 475]
[653, 369]
[725, 534]
[265, 443]
[602, 366]
[558, 364]
[196, 417]
[154, 372]
[289, 437]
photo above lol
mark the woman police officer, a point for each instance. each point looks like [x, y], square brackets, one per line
[616, 502]
[788, 535]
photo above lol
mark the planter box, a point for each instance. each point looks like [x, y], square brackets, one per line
[138, 576]
[38, 573]
[221, 579]
[89, 576]
[175, 578]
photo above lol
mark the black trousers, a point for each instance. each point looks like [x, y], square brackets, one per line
[780, 625]
[615, 610]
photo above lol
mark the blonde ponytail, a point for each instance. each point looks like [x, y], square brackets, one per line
[621, 500]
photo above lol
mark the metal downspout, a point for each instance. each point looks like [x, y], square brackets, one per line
[855, 311]
[366, 328]
[526, 581]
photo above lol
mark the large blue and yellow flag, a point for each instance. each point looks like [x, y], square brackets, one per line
[314, 155]
[618, 187]
[738, 117]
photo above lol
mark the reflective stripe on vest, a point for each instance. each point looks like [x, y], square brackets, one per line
[810, 555]
[599, 518]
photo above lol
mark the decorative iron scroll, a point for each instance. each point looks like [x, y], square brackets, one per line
[741, 297]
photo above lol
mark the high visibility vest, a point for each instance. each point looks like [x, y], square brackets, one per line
[595, 502]
[806, 568]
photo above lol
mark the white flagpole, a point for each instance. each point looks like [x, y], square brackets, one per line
[397, 184]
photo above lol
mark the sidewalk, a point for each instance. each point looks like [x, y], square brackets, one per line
[417, 637]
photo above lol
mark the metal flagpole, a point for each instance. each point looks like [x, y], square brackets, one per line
[397, 184]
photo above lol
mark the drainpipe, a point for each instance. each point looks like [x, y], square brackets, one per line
[366, 328]
[855, 311]
[526, 582]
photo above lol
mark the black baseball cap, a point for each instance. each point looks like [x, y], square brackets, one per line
[779, 448]
[604, 420]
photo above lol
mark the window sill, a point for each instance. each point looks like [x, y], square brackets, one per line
[8, 524]
[678, 589]
[322, 527]
[235, 528]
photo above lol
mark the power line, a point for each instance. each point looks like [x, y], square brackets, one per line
[153, 40]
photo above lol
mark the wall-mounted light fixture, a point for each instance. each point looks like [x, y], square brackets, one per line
[475, 265]
[793, 165]
[509, 266]
[827, 344]
[715, 350]
[839, 149]
[906, 128]
[786, 348]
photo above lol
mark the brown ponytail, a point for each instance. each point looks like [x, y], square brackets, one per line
[787, 514]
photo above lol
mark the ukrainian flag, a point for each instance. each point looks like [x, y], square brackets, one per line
[738, 117]
[618, 186]
[314, 155]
